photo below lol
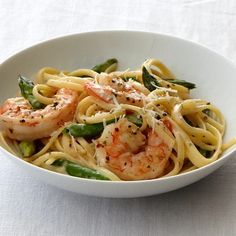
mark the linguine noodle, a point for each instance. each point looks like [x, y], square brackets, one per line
[193, 128]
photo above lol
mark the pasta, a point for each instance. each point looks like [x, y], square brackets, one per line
[114, 125]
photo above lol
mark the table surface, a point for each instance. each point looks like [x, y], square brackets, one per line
[29, 207]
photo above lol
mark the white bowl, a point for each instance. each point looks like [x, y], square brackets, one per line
[213, 74]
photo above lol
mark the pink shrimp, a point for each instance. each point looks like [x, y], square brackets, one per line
[110, 88]
[130, 154]
[20, 122]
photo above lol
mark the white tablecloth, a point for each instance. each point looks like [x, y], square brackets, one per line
[29, 207]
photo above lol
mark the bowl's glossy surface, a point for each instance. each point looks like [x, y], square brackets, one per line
[214, 75]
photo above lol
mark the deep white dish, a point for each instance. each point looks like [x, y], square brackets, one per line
[213, 74]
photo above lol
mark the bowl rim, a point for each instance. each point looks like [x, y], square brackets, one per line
[63, 37]
[155, 34]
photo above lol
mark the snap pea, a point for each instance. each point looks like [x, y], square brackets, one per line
[83, 172]
[59, 162]
[77, 170]
[27, 148]
[26, 87]
[85, 130]
[148, 80]
[134, 119]
[102, 67]
[184, 83]
[92, 130]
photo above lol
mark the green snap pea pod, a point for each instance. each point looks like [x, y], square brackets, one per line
[27, 148]
[86, 130]
[83, 172]
[148, 80]
[26, 87]
[77, 170]
[59, 162]
[92, 130]
[184, 83]
[102, 67]
[134, 119]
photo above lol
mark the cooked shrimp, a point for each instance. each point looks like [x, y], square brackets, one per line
[130, 154]
[20, 122]
[110, 88]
